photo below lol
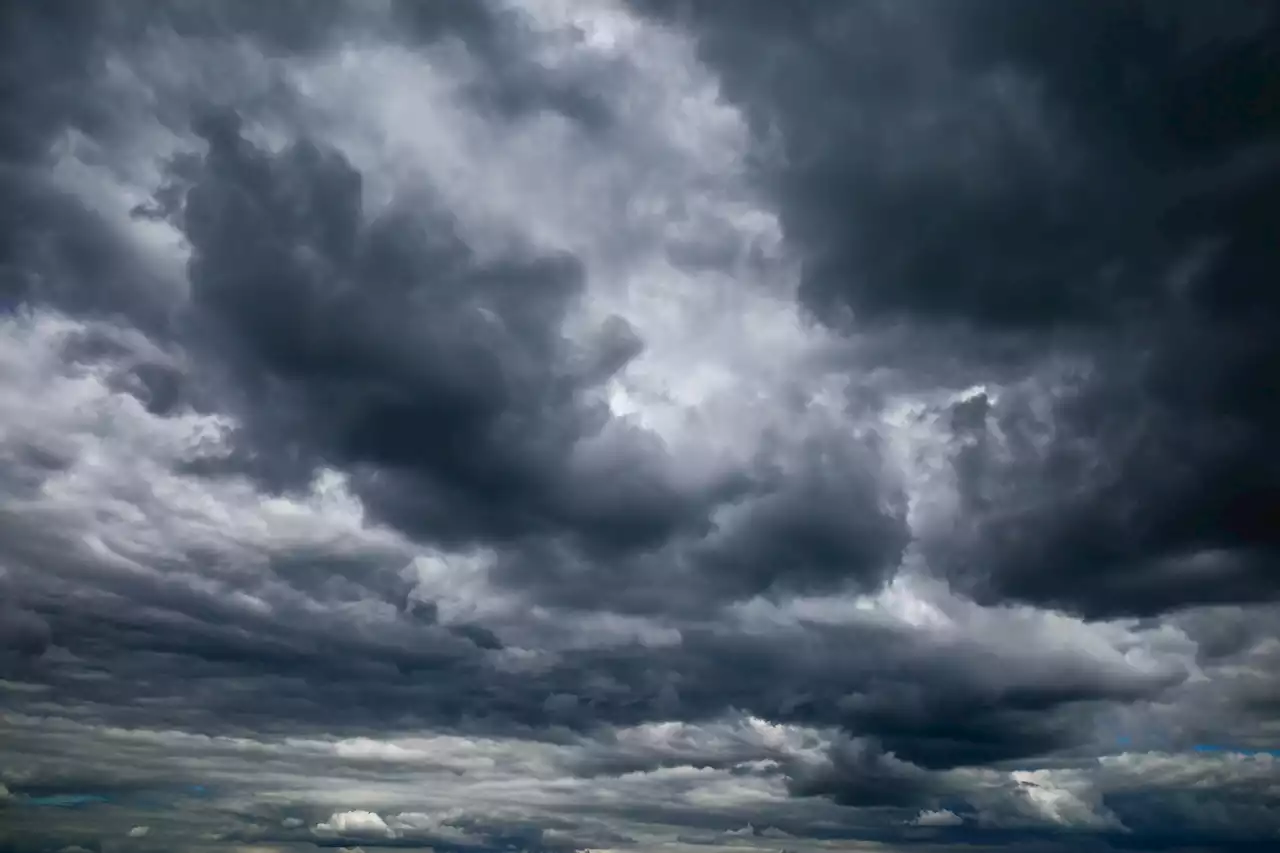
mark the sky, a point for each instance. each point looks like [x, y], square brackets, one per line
[670, 426]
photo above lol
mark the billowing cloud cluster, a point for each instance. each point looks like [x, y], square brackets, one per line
[585, 424]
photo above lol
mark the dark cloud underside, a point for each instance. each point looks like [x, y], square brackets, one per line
[617, 425]
[1101, 177]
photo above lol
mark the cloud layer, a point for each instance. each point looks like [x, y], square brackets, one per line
[557, 426]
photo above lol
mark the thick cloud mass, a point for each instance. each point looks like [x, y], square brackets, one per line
[1093, 182]
[579, 425]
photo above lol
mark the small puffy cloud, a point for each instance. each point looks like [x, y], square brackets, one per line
[939, 818]
[139, 831]
[353, 823]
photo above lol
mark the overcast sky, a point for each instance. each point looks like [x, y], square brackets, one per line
[656, 426]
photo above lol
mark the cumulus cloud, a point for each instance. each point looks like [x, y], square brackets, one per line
[636, 424]
[1076, 218]
[353, 824]
[941, 817]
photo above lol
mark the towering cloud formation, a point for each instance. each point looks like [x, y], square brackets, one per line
[600, 425]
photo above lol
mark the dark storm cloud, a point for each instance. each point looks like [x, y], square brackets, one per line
[1100, 176]
[1184, 506]
[859, 774]
[47, 57]
[994, 164]
[215, 665]
[55, 79]
[427, 563]
[442, 380]
[50, 53]
[24, 635]
[383, 344]
[1153, 508]
[391, 348]
[827, 522]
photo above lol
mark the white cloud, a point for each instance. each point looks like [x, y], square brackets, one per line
[1056, 797]
[939, 818]
[1202, 771]
[354, 823]
[139, 831]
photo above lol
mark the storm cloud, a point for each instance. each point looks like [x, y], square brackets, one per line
[556, 426]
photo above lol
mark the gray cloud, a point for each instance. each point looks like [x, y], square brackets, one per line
[963, 167]
[617, 426]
